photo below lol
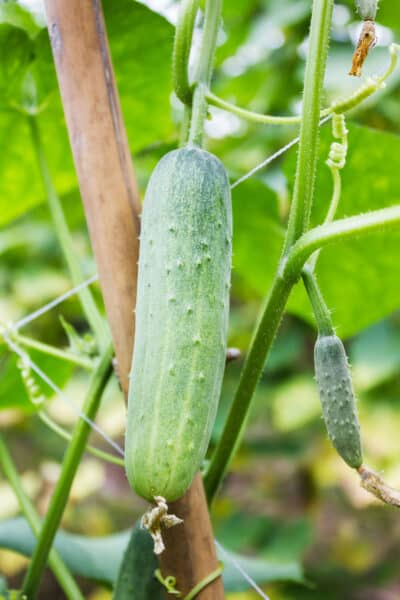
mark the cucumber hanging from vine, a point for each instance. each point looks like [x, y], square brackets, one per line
[333, 376]
[337, 398]
[181, 322]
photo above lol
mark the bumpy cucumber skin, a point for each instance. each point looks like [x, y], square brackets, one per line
[181, 322]
[337, 398]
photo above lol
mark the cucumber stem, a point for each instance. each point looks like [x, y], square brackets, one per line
[69, 467]
[260, 346]
[204, 70]
[181, 51]
[56, 563]
[299, 216]
[320, 309]
[185, 125]
[89, 307]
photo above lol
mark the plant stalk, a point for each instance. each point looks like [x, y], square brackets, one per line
[260, 346]
[320, 309]
[64, 237]
[204, 70]
[181, 51]
[80, 361]
[384, 219]
[69, 467]
[56, 563]
[284, 279]
[287, 275]
[303, 193]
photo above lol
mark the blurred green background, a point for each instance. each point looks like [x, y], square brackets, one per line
[288, 499]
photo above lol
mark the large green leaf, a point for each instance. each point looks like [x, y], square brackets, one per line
[375, 355]
[141, 46]
[12, 390]
[351, 274]
[257, 239]
[100, 558]
[13, 13]
[13, 393]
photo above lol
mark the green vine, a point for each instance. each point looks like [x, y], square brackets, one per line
[341, 105]
[284, 280]
[287, 275]
[69, 467]
[92, 313]
[181, 51]
[204, 70]
[56, 563]
[299, 216]
[76, 359]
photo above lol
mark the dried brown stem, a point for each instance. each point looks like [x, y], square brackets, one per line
[366, 41]
[375, 485]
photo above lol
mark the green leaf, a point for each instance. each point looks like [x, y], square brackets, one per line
[15, 51]
[13, 393]
[100, 558]
[12, 390]
[13, 13]
[257, 239]
[94, 558]
[141, 46]
[3, 585]
[84, 345]
[375, 355]
[351, 274]
[141, 49]
[260, 570]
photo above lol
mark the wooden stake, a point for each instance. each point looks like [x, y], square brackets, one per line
[102, 159]
[189, 548]
[110, 198]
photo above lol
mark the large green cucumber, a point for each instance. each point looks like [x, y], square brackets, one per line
[181, 322]
[337, 398]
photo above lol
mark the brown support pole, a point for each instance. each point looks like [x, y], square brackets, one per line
[110, 198]
[190, 550]
[102, 158]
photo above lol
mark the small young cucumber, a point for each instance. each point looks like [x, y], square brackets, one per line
[181, 322]
[337, 398]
